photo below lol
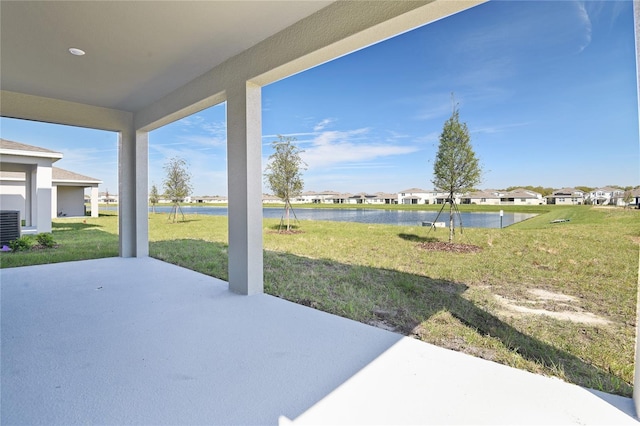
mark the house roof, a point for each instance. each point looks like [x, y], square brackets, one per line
[481, 194]
[414, 190]
[363, 195]
[386, 195]
[339, 196]
[58, 176]
[607, 189]
[7, 144]
[270, 197]
[62, 175]
[8, 147]
[521, 193]
[564, 192]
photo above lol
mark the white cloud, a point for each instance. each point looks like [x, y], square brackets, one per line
[585, 21]
[428, 138]
[206, 163]
[197, 127]
[201, 142]
[441, 110]
[291, 135]
[204, 142]
[396, 135]
[497, 128]
[333, 148]
[321, 125]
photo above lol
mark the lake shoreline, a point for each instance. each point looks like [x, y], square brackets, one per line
[398, 217]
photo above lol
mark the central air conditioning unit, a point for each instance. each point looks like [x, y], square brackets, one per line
[9, 226]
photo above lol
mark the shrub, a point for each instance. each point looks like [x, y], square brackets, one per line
[45, 240]
[21, 244]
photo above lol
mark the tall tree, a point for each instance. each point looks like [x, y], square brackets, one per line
[177, 184]
[456, 168]
[283, 173]
[154, 197]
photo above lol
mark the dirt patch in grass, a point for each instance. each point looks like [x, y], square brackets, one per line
[453, 342]
[636, 240]
[555, 305]
[289, 232]
[307, 302]
[449, 247]
[548, 295]
[43, 247]
[383, 325]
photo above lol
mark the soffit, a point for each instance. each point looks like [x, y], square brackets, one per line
[136, 51]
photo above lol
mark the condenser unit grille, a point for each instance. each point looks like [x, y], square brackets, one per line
[9, 226]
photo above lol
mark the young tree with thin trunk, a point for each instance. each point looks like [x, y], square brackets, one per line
[456, 168]
[154, 197]
[627, 198]
[177, 184]
[283, 172]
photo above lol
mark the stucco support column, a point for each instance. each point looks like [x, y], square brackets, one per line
[29, 197]
[54, 201]
[133, 218]
[42, 181]
[244, 164]
[94, 202]
[636, 381]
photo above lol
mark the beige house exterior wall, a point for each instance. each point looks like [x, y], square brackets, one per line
[567, 201]
[483, 201]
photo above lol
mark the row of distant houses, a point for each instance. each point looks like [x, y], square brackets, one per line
[32, 186]
[520, 196]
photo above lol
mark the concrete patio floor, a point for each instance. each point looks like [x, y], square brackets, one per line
[140, 341]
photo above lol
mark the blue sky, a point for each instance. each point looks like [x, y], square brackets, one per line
[547, 89]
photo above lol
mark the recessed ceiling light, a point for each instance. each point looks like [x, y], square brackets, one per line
[76, 51]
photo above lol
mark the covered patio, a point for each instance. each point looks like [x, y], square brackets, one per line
[152, 343]
[146, 342]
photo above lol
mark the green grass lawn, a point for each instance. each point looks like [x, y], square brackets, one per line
[377, 274]
[77, 239]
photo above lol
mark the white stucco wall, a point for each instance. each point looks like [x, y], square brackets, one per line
[12, 197]
[42, 197]
[70, 201]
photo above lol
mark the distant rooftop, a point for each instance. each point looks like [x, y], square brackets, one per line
[66, 175]
[17, 146]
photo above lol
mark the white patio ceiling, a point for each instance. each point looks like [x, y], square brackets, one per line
[136, 51]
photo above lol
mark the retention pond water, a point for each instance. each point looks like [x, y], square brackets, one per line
[363, 215]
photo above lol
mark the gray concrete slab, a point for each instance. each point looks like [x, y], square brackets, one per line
[139, 341]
